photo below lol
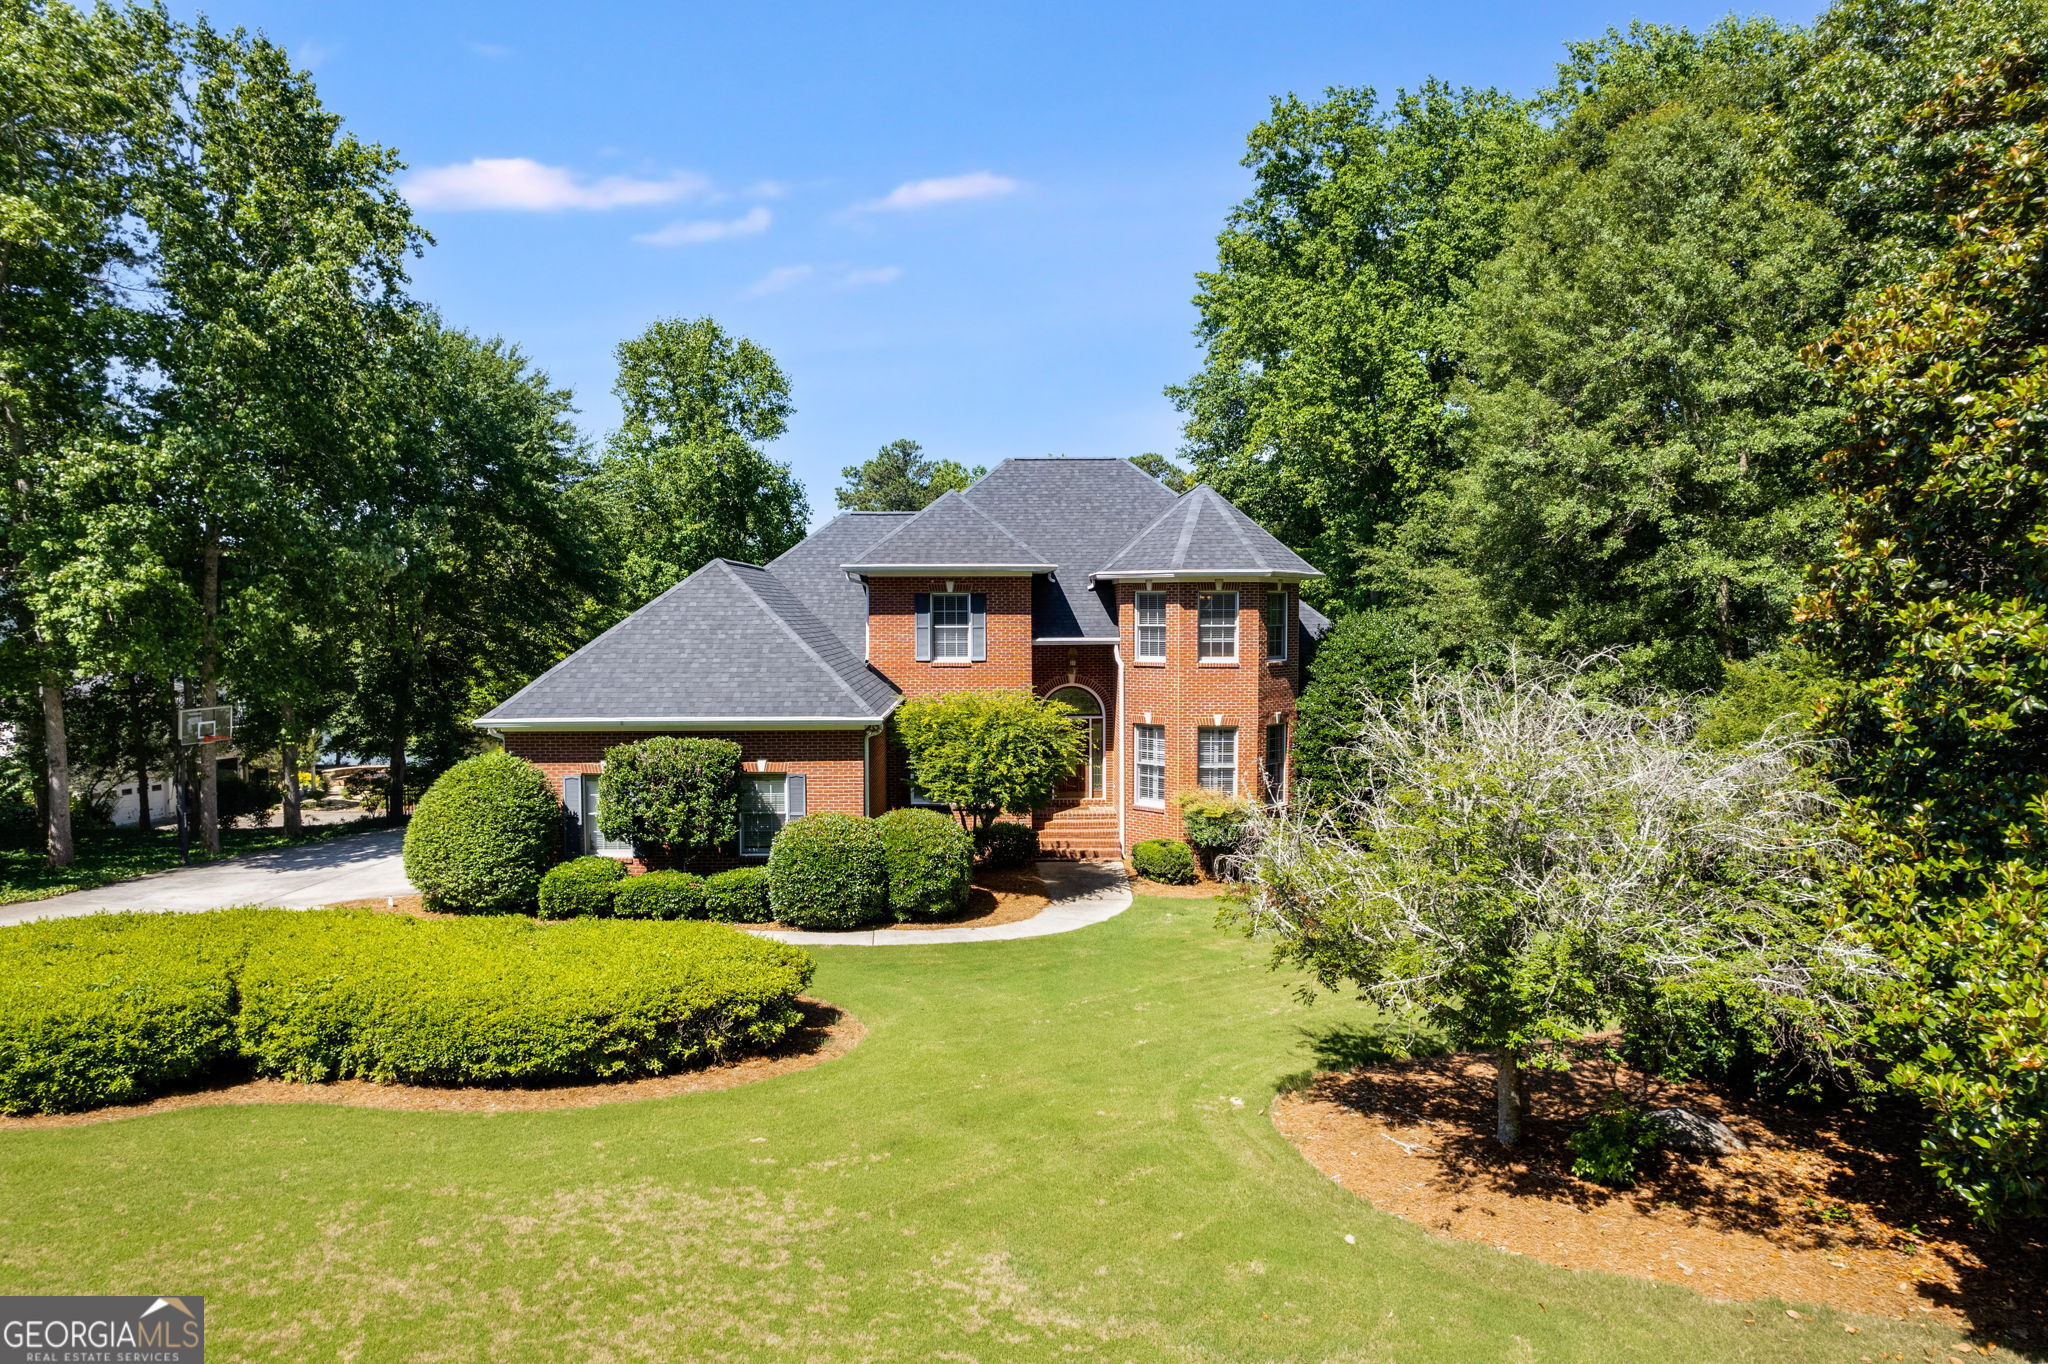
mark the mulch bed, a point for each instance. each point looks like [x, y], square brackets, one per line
[1204, 889]
[1828, 1205]
[826, 1032]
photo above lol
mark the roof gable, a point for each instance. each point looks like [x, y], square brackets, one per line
[951, 533]
[1203, 534]
[813, 571]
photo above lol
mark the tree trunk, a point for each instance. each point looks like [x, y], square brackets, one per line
[58, 844]
[1508, 1096]
[289, 751]
[401, 717]
[139, 754]
[209, 695]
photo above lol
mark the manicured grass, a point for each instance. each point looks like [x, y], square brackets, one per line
[1046, 1149]
[105, 857]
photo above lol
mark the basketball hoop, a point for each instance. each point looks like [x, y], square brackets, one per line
[206, 725]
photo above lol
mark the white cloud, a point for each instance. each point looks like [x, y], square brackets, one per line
[949, 189]
[886, 274]
[780, 278]
[683, 232]
[493, 51]
[522, 185]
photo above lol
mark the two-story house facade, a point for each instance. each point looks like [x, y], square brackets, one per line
[1171, 623]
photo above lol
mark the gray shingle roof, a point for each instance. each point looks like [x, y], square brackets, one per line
[812, 571]
[1200, 534]
[729, 643]
[950, 533]
[1076, 513]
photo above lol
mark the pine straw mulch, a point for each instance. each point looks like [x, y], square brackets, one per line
[1206, 888]
[998, 897]
[826, 1032]
[1828, 1205]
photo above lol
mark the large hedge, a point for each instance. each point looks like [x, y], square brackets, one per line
[115, 1008]
[341, 995]
[681, 795]
[482, 836]
[930, 861]
[828, 870]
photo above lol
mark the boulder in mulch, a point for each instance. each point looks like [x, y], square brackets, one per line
[1684, 1129]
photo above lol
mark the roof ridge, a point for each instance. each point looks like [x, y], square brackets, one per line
[787, 628]
[1232, 514]
[959, 498]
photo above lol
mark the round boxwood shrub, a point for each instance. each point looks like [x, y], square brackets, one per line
[659, 895]
[1166, 860]
[1007, 843]
[481, 836]
[739, 896]
[341, 994]
[827, 870]
[930, 861]
[113, 1008]
[580, 888]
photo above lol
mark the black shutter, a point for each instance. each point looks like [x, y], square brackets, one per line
[924, 627]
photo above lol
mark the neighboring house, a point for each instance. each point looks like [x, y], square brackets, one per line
[1171, 622]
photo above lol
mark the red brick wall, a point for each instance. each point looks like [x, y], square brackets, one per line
[892, 635]
[829, 759]
[1184, 694]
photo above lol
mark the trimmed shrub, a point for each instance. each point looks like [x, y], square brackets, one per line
[659, 895]
[987, 752]
[678, 794]
[113, 1008]
[739, 896]
[482, 835]
[1612, 1144]
[340, 994]
[827, 870]
[580, 888]
[1007, 843]
[930, 861]
[1165, 860]
[1214, 821]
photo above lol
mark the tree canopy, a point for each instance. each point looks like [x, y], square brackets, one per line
[899, 477]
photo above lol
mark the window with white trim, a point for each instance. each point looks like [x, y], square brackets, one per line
[1276, 625]
[952, 625]
[1216, 625]
[1216, 759]
[594, 841]
[1276, 760]
[1148, 756]
[764, 805]
[1150, 609]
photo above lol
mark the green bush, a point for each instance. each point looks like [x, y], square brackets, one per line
[739, 896]
[580, 888]
[678, 794]
[827, 870]
[482, 835]
[659, 895]
[1007, 843]
[113, 1008]
[341, 994]
[1612, 1144]
[1214, 821]
[930, 861]
[1165, 860]
[987, 752]
[1366, 654]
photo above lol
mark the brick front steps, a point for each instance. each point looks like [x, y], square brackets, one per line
[1079, 832]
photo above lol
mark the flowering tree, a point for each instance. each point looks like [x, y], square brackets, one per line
[1519, 862]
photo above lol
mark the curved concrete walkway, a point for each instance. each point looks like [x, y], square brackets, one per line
[1082, 893]
[346, 867]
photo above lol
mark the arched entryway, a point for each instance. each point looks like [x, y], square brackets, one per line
[1091, 779]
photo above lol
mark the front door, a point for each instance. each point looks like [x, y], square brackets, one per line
[1090, 779]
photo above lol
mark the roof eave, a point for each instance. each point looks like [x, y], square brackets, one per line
[957, 570]
[1288, 575]
[736, 722]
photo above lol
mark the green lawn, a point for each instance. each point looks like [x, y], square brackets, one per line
[117, 854]
[1047, 1149]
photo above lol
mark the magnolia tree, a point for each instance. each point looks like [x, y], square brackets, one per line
[1520, 862]
[985, 753]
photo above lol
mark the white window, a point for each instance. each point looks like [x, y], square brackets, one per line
[1216, 759]
[1276, 625]
[594, 840]
[764, 804]
[1151, 614]
[952, 625]
[1149, 753]
[1216, 625]
[1276, 760]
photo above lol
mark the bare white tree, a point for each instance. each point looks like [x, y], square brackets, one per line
[1520, 861]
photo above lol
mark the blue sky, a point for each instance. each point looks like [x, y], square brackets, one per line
[973, 225]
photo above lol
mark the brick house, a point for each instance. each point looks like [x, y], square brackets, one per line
[1172, 623]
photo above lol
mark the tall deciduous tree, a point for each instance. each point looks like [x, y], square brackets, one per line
[1333, 324]
[1935, 606]
[900, 478]
[684, 479]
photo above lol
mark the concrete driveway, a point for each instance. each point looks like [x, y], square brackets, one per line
[349, 867]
